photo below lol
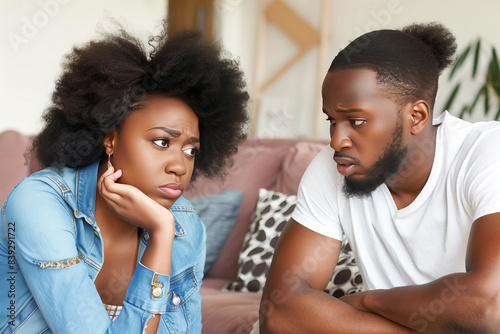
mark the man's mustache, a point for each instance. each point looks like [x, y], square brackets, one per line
[343, 155]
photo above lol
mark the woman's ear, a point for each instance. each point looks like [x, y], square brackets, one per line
[420, 115]
[109, 142]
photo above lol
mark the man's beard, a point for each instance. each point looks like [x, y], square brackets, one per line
[382, 170]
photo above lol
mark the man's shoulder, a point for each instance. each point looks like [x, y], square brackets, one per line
[460, 135]
[483, 137]
[454, 124]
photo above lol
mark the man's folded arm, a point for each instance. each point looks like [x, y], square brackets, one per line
[458, 303]
[293, 299]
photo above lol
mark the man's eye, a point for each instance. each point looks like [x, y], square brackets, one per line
[358, 122]
[162, 142]
[330, 120]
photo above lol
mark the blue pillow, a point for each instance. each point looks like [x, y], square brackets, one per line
[218, 212]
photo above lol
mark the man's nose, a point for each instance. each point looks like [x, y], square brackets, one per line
[339, 137]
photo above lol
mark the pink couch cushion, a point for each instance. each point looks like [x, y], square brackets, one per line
[259, 163]
[295, 164]
[255, 166]
[13, 166]
[228, 312]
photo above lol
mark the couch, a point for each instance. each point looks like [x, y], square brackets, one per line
[272, 164]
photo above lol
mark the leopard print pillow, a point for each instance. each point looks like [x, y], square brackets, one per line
[346, 278]
[272, 212]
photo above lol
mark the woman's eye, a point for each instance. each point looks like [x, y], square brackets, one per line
[358, 122]
[191, 151]
[162, 142]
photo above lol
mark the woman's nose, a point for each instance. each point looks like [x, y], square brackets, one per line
[176, 163]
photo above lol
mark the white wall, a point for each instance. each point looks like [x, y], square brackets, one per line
[35, 35]
[28, 68]
[295, 94]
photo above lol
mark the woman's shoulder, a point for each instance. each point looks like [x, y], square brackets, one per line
[38, 206]
[42, 191]
[46, 180]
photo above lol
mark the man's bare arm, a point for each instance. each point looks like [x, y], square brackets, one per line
[293, 299]
[458, 303]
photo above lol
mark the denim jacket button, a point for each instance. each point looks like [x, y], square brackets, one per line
[96, 233]
[175, 299]
[157, 292]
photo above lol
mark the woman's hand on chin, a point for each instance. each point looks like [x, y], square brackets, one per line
[133, 206]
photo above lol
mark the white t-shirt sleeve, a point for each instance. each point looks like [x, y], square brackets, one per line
[482, 172]
[317, 197]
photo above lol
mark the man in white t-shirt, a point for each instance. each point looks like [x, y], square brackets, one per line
[418, 199]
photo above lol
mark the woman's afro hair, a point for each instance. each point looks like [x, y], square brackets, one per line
[102, 79]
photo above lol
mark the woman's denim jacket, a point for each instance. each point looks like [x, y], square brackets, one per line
[51, 251]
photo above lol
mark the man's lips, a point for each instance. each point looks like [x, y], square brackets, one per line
[172, 190]
[345, 165]
[344, 161]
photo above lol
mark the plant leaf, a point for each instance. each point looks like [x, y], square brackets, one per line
[460, 61]
[476, 58]
[463, 111]
[452, 96]
[497, 116]
[494, 72]
[480, 92]
[486, 100]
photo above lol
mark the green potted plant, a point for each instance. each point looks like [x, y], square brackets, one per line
[488, 79]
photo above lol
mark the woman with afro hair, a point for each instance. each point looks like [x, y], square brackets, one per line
[101, 240]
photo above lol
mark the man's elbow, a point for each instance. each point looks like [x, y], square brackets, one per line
[489, 310]
[272, 315]
[483, 310]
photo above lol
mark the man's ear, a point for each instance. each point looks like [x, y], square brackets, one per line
[420, 115]
[109, 141]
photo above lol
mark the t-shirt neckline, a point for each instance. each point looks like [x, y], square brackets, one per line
[433, 176]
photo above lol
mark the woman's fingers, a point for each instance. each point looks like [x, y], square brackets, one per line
[108, 188]
[110, 180]
[104, 175]
[130, 203]
[122, 195]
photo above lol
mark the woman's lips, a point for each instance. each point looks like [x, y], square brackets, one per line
[172, 190]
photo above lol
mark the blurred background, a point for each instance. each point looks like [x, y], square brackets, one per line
[284, 48]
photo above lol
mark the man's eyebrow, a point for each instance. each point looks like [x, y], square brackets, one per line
[174, 133]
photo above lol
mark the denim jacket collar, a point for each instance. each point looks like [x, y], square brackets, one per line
[86, 186]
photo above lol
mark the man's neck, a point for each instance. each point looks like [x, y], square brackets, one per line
[415, 170]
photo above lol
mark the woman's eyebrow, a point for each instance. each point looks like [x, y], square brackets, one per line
[345, 111]
[174, 133]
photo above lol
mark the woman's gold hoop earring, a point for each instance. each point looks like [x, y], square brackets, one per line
[109, 161]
